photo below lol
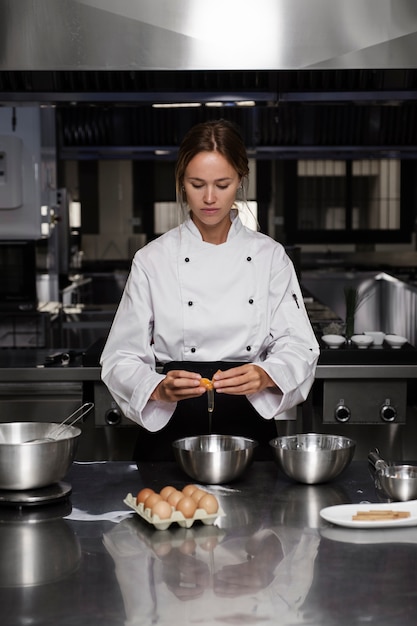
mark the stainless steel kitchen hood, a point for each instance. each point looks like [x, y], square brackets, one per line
[136, 35]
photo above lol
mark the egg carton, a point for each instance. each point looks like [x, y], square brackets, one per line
[176, 517]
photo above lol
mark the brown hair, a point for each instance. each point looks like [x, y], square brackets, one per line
[214, 136]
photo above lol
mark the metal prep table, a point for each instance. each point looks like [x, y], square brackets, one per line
[270, 560]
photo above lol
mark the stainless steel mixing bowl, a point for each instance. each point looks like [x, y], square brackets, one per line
[214, 459]
[313, 458]
[28, 464]
[399, 482]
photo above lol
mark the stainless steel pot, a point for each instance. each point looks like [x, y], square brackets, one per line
[35, 464]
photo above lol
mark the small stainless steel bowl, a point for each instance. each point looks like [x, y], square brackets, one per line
[214, 459]
[399, 482]
[313, 458]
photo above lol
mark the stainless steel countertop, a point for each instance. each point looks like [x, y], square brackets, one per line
[270, 560]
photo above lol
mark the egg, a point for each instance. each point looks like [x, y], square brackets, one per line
[197, 495]
[162, 509]
[174, 497]
[143, 494]
[164, 493]
[187, 506]
[152, 500]
[189, 489]
[209, 503]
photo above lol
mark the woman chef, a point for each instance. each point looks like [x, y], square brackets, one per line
[214, 299]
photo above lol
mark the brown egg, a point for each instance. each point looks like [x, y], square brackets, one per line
[162, 509]
[152, 500]
[164, 493]
[143, 494]
[189, 490]
[197, 495]
[174, 497]
[187, 506]
[209, 503]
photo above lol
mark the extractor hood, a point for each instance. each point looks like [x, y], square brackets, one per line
[198, 35]
[222, 50]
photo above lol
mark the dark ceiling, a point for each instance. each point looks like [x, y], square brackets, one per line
[109, 113]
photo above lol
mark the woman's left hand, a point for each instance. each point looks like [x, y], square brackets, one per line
[242, 380]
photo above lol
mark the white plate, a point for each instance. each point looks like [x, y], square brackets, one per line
[341, 514]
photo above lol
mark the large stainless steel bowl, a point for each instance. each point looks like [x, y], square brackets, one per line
[214, 459]
[38, 463]
[313, 458]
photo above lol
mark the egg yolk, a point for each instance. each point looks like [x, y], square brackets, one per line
[205, 382]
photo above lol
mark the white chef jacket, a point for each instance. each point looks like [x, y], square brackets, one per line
[189, 300]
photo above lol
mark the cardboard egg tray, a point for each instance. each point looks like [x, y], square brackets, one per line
[176, 517]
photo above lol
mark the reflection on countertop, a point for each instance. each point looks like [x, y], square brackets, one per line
[272, 557]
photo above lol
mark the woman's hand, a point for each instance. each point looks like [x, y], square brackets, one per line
[178, 385]
[243, 380]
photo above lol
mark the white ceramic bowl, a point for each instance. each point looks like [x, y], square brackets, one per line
[377, 335]
[333, 341]
[395, 341]
[362, 341]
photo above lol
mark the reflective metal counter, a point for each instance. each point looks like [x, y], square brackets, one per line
[270, 560]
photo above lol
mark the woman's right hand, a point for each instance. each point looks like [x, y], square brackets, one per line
[178, 385]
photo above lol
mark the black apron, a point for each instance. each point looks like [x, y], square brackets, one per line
[233, 415]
